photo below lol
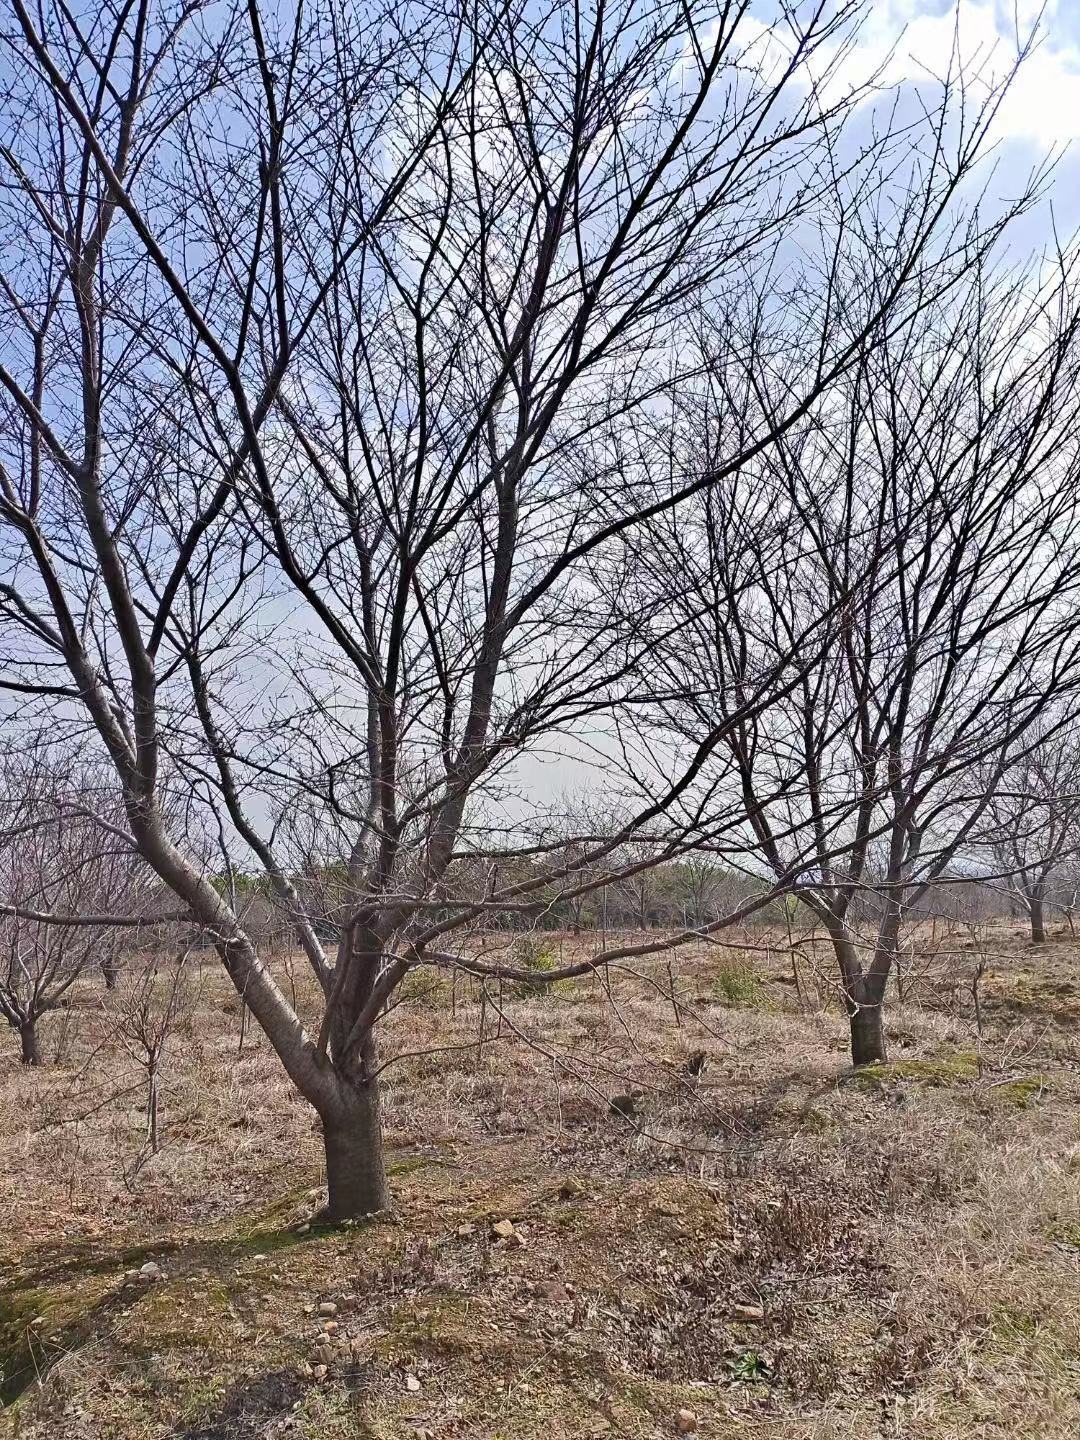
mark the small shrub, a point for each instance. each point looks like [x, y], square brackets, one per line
[737, 987]
[421, 986]
[531, 952]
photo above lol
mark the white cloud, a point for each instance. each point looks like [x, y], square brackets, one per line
[916, 41]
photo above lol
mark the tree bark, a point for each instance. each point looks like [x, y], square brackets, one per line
[863, 997]
[355, 1172]
[1038, 923]
[31, 1051]
[867, 1036]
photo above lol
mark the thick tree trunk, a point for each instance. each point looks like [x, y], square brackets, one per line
[355, 1172]
[1038, 924]
[31, 1051]
[863, 998]
[111, 971]
[867, 1036]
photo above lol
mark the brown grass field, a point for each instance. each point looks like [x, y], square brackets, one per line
[780, 1249]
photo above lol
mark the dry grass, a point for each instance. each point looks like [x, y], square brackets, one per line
[782, 1249]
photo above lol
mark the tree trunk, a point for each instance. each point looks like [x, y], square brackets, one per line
[864, 994]
[1038, 924]
[111, 971]
[31, 1052]
[153, 1132]
[355, 1173]
[867, 1036]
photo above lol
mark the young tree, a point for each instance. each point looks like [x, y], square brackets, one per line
[341, 340]
[1033, 817]
[61, 866]
[931, 504]
[155, 1004]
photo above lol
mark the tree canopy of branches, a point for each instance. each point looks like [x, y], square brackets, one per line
[342, 350]
[928, 510]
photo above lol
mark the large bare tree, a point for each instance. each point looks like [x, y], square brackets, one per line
[931, 506]
[340, 346]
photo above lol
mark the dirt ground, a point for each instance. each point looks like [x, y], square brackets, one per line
[776, 1247]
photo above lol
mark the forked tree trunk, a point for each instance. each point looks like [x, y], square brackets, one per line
[31, 1051]
[355, 1172]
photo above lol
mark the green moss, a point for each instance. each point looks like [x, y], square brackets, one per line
[18, 1345]
[443, 1325]
[39, 1322]
[944, 1070]
[1019, 1093]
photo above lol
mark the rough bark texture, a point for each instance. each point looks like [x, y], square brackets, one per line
[867, 1036]
[355, 1172]
[1038, 923]
[31, 1051]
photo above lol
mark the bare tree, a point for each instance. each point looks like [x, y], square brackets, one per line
[1032, 822]
[155, 1003]
[61, 866]
[930, 505]
[341, 344]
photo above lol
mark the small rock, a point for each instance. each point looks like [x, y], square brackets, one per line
[131, 1277]
[150, 1272]
[503, 1229]
[327, 1308]
[330, 1326]
[319, 1372]
[752, 1314]
[571, 1188]
[686, 1422]
[324, 1352]
[464, 1231]
[258, 1257]
[412, 1383]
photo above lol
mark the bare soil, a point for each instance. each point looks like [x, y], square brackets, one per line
[777, 1247]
